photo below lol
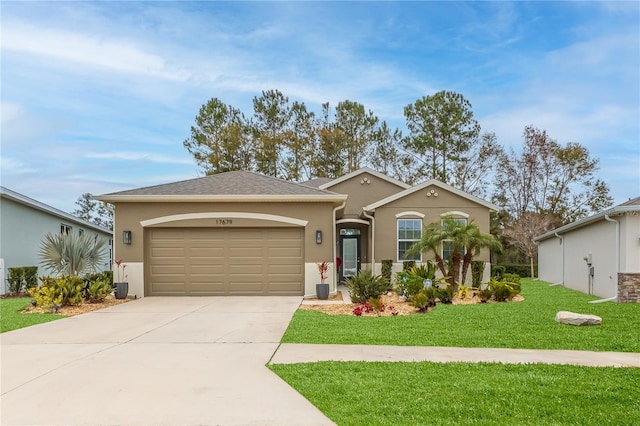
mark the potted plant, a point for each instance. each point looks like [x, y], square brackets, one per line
[322, 289]
[122, 286]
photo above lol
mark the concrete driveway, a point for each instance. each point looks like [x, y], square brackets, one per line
[154, 361]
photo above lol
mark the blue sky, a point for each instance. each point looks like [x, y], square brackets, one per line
[99, 96]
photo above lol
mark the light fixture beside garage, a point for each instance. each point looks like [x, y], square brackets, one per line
[126, 237]
[318, 237]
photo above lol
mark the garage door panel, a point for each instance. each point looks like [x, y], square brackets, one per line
[215, 261]
[208, 269]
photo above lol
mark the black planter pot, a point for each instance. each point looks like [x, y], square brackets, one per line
[122, 289]
[322, 291]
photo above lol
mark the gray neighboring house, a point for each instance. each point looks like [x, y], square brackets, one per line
[597, 255]
[23, 224]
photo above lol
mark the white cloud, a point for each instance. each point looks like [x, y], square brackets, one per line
[108, 53]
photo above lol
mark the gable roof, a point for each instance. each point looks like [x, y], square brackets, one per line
[37, 205]
[317, 182]
[426, 184]
[632, 205]
[361, 171]
[237, 185]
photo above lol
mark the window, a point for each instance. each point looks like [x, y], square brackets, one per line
[81, 232]
[447, 245]
[409, 231]
[65, 229]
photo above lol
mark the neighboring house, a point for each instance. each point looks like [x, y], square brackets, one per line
[244, 233]
[597, 255]
[24, 222]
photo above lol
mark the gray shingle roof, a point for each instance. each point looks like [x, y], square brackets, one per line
[229, 183]
[315, 183]
[632, 202]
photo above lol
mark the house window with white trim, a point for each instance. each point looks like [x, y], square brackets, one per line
[65, 229]
[409, 232]
[447, 245]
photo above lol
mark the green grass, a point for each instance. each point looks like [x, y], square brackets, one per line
[390, 393]
[528, 324]
[12, 319]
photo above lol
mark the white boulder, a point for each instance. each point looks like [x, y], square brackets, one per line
[566, 317]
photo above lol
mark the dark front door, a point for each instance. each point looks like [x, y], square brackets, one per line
[350, 256]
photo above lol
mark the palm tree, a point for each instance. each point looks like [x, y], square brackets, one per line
[466, 241]
[72, 254]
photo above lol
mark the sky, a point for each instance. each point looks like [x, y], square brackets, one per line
[99, 96]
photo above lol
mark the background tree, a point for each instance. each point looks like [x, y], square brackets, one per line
[219, 140]
[551, 179]
[270, 124]
[299, 144]
[328, 159]
[474, 168]
[386, 156]
[94, 211]
[523, 230]
[441, 130]
[358, 127]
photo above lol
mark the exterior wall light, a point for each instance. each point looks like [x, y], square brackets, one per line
[318, 237]
[126, 237]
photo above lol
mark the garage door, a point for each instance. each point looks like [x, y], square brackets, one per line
[214, 261]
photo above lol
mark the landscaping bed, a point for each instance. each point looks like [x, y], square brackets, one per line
[392, 303]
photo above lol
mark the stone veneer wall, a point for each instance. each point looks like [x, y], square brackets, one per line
[628, 288]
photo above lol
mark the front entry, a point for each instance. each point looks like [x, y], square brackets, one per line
[350, 254]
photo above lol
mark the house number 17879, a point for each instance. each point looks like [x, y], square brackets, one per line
[224, 222]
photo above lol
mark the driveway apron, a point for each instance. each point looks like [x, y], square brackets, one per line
[154, 361]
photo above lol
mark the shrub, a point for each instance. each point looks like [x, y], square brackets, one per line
[411, 281]
[512, 278]
[445, 292]
[477, 270]
[524, 270]
[98, 290]
[424, 299]
[63, 291]
[485, 294]
[22, 278]
[463, 291]
[497, 271]
[503, 291]
[365, 285]
[47, 297]
[387, 266]
[408, 264]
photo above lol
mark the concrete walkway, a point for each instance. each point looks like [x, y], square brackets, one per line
[290, 353]
[154, 361]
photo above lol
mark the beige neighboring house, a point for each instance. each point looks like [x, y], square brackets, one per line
[242, 233]
[597, 255]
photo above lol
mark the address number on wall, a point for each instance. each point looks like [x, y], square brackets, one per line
[224, 222]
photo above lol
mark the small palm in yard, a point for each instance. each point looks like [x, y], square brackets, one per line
[72, 253]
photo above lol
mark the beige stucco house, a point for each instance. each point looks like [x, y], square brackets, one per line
[244, 233]
[597, 255]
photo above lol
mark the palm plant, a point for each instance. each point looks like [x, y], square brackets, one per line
[466, 241]
[71, 254]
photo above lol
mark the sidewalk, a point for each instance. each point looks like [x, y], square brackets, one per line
[290, 353]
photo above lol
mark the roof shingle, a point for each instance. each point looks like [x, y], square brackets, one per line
[230, 183]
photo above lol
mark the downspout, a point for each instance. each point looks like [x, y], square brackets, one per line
[561, 242]
[613, 298]
[373, 240]
[334, 242]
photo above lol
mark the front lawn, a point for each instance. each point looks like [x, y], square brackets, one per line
[12, 319]
[528, 324]
[390, 393]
